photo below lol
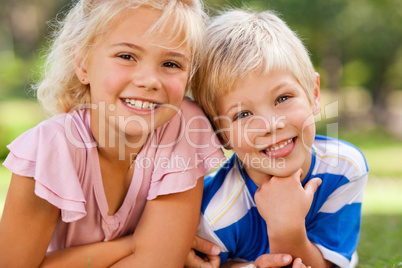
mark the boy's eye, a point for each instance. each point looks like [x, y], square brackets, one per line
[282, 99]
[126, 57]
[170, 64]
[241, 115]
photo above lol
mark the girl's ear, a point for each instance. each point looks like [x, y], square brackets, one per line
[317, 97]
[81, 71]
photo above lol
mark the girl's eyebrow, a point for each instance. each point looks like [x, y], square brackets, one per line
[168, 53]
[130, 45]
[177, 55]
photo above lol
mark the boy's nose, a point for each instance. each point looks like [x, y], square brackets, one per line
[270, 124]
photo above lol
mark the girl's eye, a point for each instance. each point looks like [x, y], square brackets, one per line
[241, 115]
[126, 57]
[282, 99]
[170, 64]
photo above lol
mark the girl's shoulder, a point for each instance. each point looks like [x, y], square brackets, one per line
[190, 107]
[71, 129]
[189, 112]
[54, 154]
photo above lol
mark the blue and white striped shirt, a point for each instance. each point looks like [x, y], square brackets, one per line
[230, 219]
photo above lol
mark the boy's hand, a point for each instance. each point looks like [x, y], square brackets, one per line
[284, 203]
[211, 250]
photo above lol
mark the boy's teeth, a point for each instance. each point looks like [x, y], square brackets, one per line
[278, 146]
[146, 105]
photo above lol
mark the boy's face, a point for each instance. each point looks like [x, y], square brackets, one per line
[269, 122]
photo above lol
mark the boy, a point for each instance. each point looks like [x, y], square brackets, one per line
[285, 190]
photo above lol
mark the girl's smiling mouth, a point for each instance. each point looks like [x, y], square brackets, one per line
[140, 105]
[280, 149]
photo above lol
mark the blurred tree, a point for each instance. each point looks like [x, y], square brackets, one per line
[372, 35]
[22, 33]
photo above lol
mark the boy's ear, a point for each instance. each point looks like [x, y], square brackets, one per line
[81, 71]
[317, 96]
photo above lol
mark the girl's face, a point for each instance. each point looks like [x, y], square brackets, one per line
[268, 121]
[137, 80]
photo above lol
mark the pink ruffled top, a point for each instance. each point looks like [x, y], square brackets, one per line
[61, 155]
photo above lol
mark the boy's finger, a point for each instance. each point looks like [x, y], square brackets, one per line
[298, 263]
[210, 261]
[214, 261]
[312, 185]
[205, 246]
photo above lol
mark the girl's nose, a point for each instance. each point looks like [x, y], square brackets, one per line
[147, 78]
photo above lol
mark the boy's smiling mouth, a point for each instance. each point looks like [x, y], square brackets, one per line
[280, 149]
[140, 105]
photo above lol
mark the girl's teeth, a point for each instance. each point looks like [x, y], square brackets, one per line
[139, 104]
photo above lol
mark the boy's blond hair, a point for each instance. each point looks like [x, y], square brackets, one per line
[60, 90]
[240, 42]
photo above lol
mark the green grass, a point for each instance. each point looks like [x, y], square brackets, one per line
[382, 196]
[385, 161]
[380, 241]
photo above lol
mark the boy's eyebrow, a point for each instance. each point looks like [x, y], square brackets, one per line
[279, 86]
[169, 53]
[231, 107]
[275, 88]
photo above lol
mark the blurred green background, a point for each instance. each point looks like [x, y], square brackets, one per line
[356, 46]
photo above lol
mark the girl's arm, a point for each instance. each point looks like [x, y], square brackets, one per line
[104, 254]
[27, 225]
[100, 254]
[166, 230]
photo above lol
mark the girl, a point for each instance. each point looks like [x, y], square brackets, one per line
[121, 156]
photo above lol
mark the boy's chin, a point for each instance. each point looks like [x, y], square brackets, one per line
[285, 172]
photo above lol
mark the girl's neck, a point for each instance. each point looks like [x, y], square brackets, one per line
[113, 145]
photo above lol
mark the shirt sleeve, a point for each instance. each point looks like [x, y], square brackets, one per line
[336, 227]
[187, 149]
[45, 154]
